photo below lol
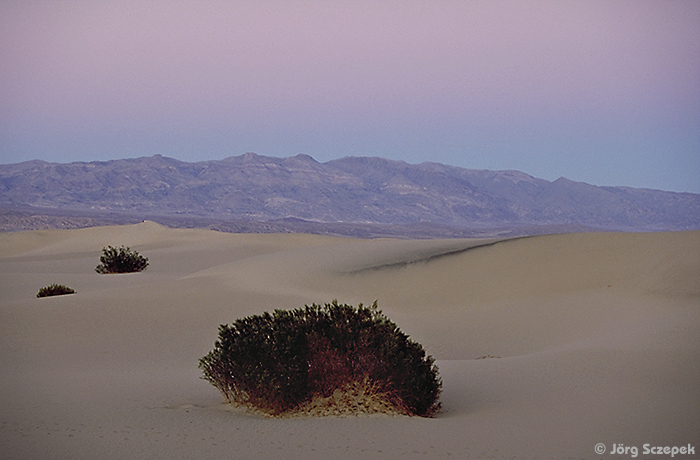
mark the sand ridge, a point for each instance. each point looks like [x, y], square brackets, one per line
[596, 338]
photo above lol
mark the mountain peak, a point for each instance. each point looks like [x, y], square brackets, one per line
[304, 157]
[250, 156]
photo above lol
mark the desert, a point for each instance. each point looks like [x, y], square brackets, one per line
[547, 345]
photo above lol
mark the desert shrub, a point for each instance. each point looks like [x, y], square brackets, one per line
[121, 260]
[54, 289]
[280, 362]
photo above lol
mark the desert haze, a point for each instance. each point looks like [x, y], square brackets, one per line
[584, 339]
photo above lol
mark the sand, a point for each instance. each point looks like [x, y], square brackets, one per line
[588, 338]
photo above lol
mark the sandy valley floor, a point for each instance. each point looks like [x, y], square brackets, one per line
[595, 338]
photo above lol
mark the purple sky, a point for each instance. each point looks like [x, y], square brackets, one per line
[606, 92]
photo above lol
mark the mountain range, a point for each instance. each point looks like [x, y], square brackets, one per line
[352, 191]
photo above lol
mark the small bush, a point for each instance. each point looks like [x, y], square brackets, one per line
[121, 260]
[54, 289]
[288, 361]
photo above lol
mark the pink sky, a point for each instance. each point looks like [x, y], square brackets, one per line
[606, 92]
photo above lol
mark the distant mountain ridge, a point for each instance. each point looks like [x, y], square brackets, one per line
[347, 190]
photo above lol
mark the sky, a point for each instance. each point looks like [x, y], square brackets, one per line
[600, 91]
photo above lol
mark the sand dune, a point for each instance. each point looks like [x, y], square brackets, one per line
[596, 339]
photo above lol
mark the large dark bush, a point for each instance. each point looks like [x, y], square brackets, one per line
[279, 362]
[54, 289]
[121, 260]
